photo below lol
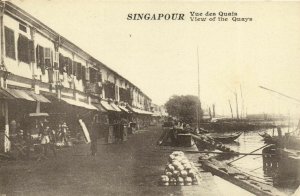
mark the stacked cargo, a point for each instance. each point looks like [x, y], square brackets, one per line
[179, 171]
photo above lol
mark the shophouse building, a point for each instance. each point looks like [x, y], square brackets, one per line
[43, 72]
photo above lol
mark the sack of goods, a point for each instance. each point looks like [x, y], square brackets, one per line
[179, 171]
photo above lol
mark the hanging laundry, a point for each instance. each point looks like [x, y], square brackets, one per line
[62, 66]
[79, 71]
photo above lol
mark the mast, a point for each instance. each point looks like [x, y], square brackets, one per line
[242, 108]
[230, 108]
[237, 105]
[198, 108]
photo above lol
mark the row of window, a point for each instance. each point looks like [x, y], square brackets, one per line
[50, 60]
[46, 58]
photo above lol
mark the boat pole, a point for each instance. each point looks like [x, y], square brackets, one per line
[249, 153]
[226, 153]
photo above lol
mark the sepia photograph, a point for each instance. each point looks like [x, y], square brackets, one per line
[162, 97]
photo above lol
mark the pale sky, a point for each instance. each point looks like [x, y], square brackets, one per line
[160, 57]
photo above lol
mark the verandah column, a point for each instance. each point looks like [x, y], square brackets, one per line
[3, 76]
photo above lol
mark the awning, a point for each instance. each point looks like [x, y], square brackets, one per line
[38, 114]
[99, 107]
[27, 95]
[5, 95]
[124, 109]
[107, 106]
[20, 94]
[79, 104]
[116, 107]
[139, 111]
[156, 114]
[37, 97]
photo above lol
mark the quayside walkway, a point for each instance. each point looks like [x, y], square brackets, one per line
[129, 168]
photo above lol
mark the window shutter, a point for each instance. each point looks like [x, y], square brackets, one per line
[37, 56]
[47, 57]
[23, 49]
[10, 43]
[61, 64]
[99, 77]
[83, 71]
[51, 58]
[79, 70]
[87, 74]
[40, 61]
[70, 65]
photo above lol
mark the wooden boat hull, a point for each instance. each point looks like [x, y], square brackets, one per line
[227, 139]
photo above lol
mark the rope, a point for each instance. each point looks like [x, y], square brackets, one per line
[254, 177]
[248, 154]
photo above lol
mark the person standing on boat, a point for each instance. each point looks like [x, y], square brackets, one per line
[188, 129]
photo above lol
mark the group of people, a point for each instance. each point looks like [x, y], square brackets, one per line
[42, 134]
[173, 128]
[179, 126]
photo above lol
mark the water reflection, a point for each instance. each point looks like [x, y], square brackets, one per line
[268, 168]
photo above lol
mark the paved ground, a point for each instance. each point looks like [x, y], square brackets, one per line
[130, 168]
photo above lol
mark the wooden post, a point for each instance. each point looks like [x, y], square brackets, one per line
[2, 33]
[6, 131]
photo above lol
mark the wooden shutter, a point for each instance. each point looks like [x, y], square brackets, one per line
[62, 67]
[79, 71]
[87, 74]
[10, 43]
[83, 71]
[23, 49]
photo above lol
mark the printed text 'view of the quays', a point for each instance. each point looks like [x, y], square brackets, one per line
[194, 16]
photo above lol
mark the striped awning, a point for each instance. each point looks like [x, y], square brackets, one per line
[139, 111]
[5, 95]
[79, 104]
[20, 94]
[100, 107]
[27, 95]
[39, 97]
[123, 108]
[107, 106]
[116, 107]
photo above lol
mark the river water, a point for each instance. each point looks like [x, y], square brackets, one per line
[253, 164]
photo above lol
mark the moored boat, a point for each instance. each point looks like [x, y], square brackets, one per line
[226, 138]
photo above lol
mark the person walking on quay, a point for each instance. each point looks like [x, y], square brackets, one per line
[94, 136]
[45, 140]
[52, 143]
